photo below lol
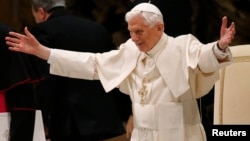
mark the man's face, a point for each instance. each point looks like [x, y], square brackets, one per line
[144, 37]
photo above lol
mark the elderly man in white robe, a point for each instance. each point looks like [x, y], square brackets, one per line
[163, 75]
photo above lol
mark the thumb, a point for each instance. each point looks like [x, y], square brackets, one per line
[27, 32]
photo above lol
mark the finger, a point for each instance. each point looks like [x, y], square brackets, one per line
[26, 31]
[11, 39]
[224, 22]
[232, 27]
[12, 44]
[14, 49]
[128, 135]
[17, 35]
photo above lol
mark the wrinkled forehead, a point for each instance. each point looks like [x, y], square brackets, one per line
[147, 7]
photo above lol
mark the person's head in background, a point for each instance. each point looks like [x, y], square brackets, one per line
[145, 24]
[41, 9]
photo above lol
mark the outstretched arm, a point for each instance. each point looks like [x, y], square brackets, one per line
[27, 44]
[226, 34]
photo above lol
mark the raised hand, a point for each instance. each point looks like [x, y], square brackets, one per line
[226, 33]
[27, 44]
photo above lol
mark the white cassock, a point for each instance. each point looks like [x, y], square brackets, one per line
[174, 74]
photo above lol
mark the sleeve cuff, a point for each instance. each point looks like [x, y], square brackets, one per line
[51, 56]
[220, 54]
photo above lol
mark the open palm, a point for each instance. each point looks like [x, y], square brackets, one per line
[226, 33]
[23, 43]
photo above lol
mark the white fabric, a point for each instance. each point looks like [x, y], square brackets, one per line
[147, 7]
[39, 134]
[4, 126]
[66, 63]
[194, 70]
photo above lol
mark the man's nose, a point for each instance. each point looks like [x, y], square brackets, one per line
[134, 37]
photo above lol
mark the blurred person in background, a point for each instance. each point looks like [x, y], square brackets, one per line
[18, 74]
[73, 109]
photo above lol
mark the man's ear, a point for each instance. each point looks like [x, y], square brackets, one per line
[42, 13]
[160, 27]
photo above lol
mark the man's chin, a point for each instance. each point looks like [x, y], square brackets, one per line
[141, 49]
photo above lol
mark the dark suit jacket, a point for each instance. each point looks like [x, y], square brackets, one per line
[76, 104]
[17, 74]
[16, 68]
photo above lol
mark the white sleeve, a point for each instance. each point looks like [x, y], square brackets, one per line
[221, 55]
[51, 56]
[72, 64]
